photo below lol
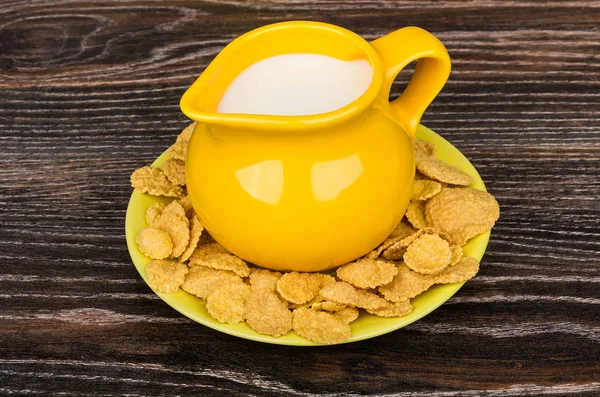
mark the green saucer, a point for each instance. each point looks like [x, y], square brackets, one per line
[366, 326]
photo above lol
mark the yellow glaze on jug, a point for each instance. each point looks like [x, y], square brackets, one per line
[309, 193]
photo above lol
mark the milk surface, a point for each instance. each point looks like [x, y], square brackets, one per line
[296, 84]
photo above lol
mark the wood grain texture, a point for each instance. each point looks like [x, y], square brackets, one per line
[89, 91]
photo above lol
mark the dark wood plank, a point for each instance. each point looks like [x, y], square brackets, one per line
[90, 91]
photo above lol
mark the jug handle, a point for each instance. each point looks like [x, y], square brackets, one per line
[397, 50]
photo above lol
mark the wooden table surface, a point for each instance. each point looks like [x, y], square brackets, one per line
[89, 91]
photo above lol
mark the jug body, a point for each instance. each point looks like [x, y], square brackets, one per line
[304, 202]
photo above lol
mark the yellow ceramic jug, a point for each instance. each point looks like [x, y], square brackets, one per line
[309, 193]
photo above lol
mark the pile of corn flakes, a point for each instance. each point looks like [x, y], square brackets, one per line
[424, 249]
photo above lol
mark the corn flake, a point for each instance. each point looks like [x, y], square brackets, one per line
[186, 203]
[310, 303]
[320, 327]
[267, 314]
[174, 209]
[202, 281]
[173, 220]
[225, 262]
[166, 276]
[428, 254]
[323, 278]
[457, 254]
[415, 214]
[462, 213]
[205, 250]
[344, 293]
[367, 273]
[425, 189]
[153, 212]
[393, 309]
[327, 306]
[372, 255]
[227, 303]
[434, 168]
[464, 270]
[396, 251]
[402, 230]
[196, 230]
[347, 314]
[425, 148]
[179, 149]
[264, 279]
[154, 243]
[174, 170]
[298, 288]
[382, 247]
[406, 285]
[153, 181]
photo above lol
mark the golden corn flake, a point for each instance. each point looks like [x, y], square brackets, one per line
[227, 303]
[347, 314]
[415, 214]
[396, 251]
[428, 254]
[205, 239]
[166, 276]
[388, 242]
[186, 203]
[320, 327]
[153, 212]
[372, 255]
[425, 189]
[267, 314]
[298, 288]
[175, 171]
[464, 270]
[367, 273]
[457, 254]
[202, 281]
[314, 301]
[205, 250]
[179, 149]
[323, 278]
[436, 169]
[173, 221]
[425, 148]
[406, 285]
[342, 292]
[437, 232]
[327, 306]
[382, 247]
[225, 262]
[154, 243]
[174, 209]
[462, 213]
[196, 230]
[402, 230]
[421, 177]
[264, 279]
[393, 309]
[154, 182]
